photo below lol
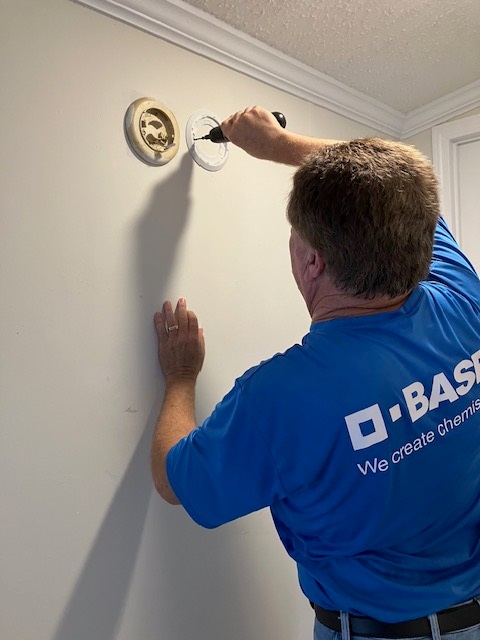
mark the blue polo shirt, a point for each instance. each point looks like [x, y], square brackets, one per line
[364, 442]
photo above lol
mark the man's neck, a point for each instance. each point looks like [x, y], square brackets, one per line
[335, 304]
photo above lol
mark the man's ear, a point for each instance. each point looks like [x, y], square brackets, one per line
[315, 265]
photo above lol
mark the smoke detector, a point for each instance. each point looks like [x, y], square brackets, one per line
[152, 131]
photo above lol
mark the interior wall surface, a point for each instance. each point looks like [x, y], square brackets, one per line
[423, 140]
[92, 242]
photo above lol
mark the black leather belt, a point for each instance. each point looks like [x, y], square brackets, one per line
[454, 619]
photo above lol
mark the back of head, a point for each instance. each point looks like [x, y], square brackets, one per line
[369, 207]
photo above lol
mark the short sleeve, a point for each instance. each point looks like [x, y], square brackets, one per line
[224, 469]
[451, 267]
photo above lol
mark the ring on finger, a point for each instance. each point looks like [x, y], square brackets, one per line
[174, 327]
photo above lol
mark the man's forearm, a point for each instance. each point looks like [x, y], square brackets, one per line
[256, 131]
[176, 420]
[294, 149]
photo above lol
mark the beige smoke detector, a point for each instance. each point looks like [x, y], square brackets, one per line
[152, 131]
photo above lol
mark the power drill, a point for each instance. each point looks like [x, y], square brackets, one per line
[216, 134]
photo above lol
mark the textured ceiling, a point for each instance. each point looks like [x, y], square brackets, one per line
[405, 53]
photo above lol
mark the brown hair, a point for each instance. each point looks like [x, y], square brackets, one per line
[369, 207]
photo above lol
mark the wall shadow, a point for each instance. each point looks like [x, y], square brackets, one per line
[195, 578]
[193, 572]
[96, 605]
[157, 233]
[196, 584]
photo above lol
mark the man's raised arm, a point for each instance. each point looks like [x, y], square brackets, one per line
[256, 131]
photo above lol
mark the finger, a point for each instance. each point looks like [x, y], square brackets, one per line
[227, 125]
[181, 315]
[169, 317]
[227, 121]
[168, 314]
[196, 335]
[159, 322]
[233, 119]
[201, 340]
[192, 323]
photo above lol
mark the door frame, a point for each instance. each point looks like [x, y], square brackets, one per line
[446, 140]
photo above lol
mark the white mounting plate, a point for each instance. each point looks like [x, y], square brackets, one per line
[211, 156]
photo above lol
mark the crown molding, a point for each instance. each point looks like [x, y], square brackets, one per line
[442, 109]
[194, 30]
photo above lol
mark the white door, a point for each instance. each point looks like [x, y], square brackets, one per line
[456, 157]
[469, 199]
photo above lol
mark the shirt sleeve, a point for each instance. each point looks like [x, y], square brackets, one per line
[224, 469]
[451, 267]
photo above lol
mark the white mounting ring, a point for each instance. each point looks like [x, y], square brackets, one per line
[152, 131]
[211, 156]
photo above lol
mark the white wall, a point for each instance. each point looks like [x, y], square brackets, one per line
[92, 241]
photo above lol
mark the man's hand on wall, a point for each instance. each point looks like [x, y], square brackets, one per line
[181, 345]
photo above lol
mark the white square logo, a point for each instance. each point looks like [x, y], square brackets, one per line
[373, 431]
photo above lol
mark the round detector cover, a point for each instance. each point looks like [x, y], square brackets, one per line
[211, 156]
[152, 131]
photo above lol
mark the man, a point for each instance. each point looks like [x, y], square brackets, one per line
[364, 440]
